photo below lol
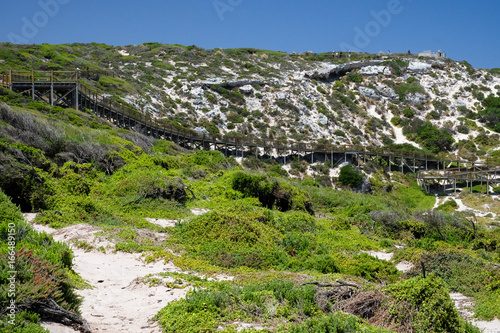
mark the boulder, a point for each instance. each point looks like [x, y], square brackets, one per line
[201, 130]
[322, 119]
[280, 95]
[276, 82]
[416, 98]
[369, 92]
[375, 70]
[417, 66]
[197, 92]
[198, 102]
[246, 89]
[387, 92]
[366, 186]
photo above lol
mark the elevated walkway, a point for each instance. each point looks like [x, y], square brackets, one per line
[68, 89]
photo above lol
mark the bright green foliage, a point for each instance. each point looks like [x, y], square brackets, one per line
[204, 310]
[434, 139]
[42, 267]
[272, 193]
[396, 120]
[426, 303]
[490, 115]
[335, 322]
[349, 176]
[481, 281]
[408, 113]
[404, 89]
[448, 206]
[354, 77]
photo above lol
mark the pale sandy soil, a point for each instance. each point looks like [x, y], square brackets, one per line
[464, 304]
[119, 301]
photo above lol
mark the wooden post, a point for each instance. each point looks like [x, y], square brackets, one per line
[33, 84]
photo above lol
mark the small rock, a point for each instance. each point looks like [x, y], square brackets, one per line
[417, 66]
[369, 92]
[416, 98]
[322, 119]
[281, 95]
[247, 90]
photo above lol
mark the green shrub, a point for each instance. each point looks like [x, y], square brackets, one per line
[349, 176]
[396, 120]
[426, 303]
[490, 115]
[408, 113]
[41, 266]
[354, 77]
[448, 206]
[335, 322]
[434, 139]
[272, 193]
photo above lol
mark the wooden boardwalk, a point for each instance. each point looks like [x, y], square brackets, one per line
[69, 89]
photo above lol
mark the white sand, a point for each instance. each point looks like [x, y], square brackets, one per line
[119, 301]
[162, 222]
[404, 266]
[465, 305]
[387, 256]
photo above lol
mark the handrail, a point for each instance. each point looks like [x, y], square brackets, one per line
[72, 77]
[275, 144]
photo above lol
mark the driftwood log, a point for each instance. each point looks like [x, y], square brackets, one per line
[49, 309]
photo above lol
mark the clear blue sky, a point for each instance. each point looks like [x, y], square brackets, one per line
[464, 29]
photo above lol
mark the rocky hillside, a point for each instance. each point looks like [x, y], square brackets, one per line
[368, 99]
[210, 243]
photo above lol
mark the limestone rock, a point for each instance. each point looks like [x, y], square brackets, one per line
[280, 95]
[246, 89]
[322, 119]
[417, 66]
[416, 98]
[201, 130]
[369, 92]
[197, 92]
[387, 92]
[375, 70]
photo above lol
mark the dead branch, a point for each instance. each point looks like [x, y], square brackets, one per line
[48, 308]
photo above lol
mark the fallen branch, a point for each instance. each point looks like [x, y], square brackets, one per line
[348, 284]
[49, 309]
[339, 284]
[190, 190]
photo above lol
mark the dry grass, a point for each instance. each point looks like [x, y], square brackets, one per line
[482, 202]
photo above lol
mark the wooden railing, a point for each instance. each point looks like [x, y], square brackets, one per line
[34, 77]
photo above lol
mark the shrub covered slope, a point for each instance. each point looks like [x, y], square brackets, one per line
[296, 245]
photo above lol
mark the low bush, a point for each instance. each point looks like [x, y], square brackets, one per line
[272, 193]
[42, 269]
[426, 304]
[349, 176]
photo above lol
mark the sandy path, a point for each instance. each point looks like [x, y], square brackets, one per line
[463, 303]
[119, 302]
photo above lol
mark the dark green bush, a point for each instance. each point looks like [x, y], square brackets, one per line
[408, 113]
[426, 303]
[354, 77]
[349, 176]
[271, 193]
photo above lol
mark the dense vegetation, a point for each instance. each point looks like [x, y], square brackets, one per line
[296, 246]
